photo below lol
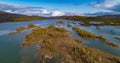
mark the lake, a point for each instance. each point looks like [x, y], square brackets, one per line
[11, 50]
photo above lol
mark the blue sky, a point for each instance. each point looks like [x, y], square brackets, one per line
[69, 5]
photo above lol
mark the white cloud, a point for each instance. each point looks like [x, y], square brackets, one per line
[108, 4]
[57, 13]
[38, 11]
[44, 11]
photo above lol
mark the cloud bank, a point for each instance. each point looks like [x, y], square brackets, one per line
[37, 11]
[113, 5]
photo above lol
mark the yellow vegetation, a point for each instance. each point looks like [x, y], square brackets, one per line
[57, 46]
[84, 33]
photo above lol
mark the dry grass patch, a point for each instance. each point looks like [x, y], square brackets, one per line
[57, 46]
[84, 33]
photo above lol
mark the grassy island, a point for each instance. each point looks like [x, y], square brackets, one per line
[20, 29]
[69, 25]
[103, 38]
[112, 44]
[84, 33]
[61, 22]
[86, 20]
[87, 34]
[29, 26]
[57, 46]
[118, 38]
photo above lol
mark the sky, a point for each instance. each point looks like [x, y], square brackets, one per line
[74, 6]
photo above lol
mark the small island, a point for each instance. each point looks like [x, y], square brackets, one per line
[20, 29]
[118, 38]
[87, 34]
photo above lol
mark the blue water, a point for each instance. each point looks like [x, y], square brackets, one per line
[11, 50]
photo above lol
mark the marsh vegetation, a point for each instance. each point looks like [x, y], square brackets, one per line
[20, 29]
[57, 46]
[86, 20]
[84, 33]
[69, 25]
[118, 38]
[87, 34]
[112, 44]
[61, 22]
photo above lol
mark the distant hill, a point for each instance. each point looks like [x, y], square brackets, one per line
[111, 16]
[8, 17]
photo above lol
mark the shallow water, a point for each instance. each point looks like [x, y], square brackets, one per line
[11, 50]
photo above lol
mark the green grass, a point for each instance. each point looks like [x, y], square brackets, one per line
[78, 41]
[19, 29]
[31, 26]
[86, 20]
[84, 33]
[51, 31]
[112, 44]
[60, 22]
[69, 25]
[82, 54]
[102, 38]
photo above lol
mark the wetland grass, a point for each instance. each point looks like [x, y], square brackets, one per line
[87, 34]
[58, 46]
[20, 29]
[84, 33]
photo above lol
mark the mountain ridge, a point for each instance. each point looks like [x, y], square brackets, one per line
[9, 17]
